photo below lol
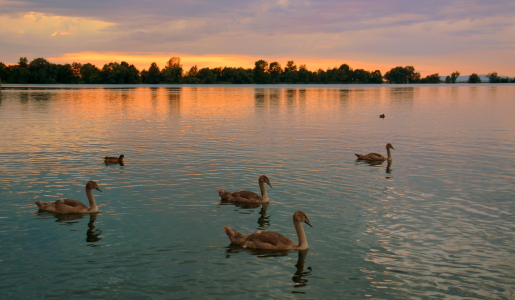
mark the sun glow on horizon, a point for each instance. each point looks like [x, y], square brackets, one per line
[144, 60]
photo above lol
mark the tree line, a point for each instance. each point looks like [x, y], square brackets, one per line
[40, 70]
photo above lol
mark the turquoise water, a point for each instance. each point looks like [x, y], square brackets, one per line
[438, 223]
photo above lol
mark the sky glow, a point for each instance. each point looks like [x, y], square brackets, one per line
[434, 36]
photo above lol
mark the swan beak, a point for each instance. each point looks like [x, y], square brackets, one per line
[98, 189]
[307, 222]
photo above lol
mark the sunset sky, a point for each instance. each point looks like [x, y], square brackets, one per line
[434, 36]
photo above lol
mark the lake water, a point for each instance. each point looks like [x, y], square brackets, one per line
[437, 223]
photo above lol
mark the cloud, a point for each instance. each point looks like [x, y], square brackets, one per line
[373, 31]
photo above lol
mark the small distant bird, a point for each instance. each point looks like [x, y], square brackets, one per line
[113, 160]
[381, 116]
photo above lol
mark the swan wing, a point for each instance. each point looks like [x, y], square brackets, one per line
[243, 195]
[71, 203]
[264, 239]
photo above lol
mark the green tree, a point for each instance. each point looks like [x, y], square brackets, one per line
[261, 74]
[454, 76]
[207, 76]
[474, 78]
[19, 74]
[42, 71]
[303, 74]
[360, 76]
[115, 73]
[65, 74]
[23, 62]
[4, 72]
[153, 75]
[174, 62]
[434, 78]
[90, 74]
[493, 77]
[275, 71]
[172, 72]
[290, 66]
[402, 75]
[376, 77]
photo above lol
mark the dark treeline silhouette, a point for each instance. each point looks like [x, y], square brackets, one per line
[41, 71]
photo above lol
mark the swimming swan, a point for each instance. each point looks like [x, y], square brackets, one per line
[248, 196]
[376, 156]
[113, 160]
[264, 239]
[69, 206]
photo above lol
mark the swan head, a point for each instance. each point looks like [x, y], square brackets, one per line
[300, 216]
[121, 157]
[91, 185]
[389, 146]
[265, 179]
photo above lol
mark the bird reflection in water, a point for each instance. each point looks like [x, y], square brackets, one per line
[92, 234]
[299, 277]
[263, 220]
[377, 164]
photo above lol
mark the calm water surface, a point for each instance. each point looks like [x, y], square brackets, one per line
[438, 223]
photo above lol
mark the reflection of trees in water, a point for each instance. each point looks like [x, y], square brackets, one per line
[92, 233]
[401, 95]
[299, 277]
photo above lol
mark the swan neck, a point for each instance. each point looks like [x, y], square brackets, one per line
[303, 241]
[389, 153]
[262, 187]
[91, 199]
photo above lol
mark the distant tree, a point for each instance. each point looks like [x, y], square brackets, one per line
[376, 77]
[290, 66]
[193, 71]
[171, 75]
[236, 75]
[322, 76]
[18, 74]
[191, 76]
[90, 74]
[360, 76]
[343, 74]
[207, 76]
[65, 74]
[115, 73]
[76, 69]
[402, 75]
[454, 76]
[290, 74]
[132, 75]
[303, 74]
[434, 78]
[4, 72]
[23, 62]
[42, 71]
[261, 74]
[275, 71]
[493, 77]
[174, 62]
[172, 72]
[474, 78]
[153, 74]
